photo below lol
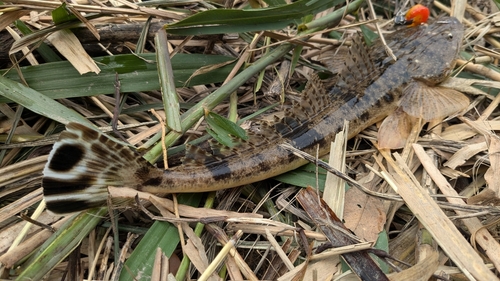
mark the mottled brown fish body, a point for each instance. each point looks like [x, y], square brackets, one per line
[84, 162]
[425, 52]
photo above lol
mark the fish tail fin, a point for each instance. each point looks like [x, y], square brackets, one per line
[82, 164]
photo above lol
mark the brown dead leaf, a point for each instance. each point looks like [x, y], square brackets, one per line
[70, 47]
[465, 84]
[363, 214]
[168, 205]
[394, 130]
[490, 195]
[492, 176]
[487, 197]
[465, 153]
[197, 255]
[323, 269]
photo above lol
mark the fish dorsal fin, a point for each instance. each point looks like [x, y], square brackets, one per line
[212, 152]
[295, 120]
[359, 69]
[333, 59]
[314, 99]
[195, 156]
[221, 151]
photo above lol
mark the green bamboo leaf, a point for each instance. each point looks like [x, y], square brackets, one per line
[497, 3]
[368, 35]
[61, 244]
[165, 72]
[61, 15]
[221, 137]
[232, 20]
[274, 3]
[304, 176]
[143, 38]
[136, 73]
[161, 235]
[39, 103]
[382, 244]
[226, 125]
[221, 129]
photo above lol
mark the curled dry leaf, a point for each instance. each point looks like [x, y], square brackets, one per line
[394, 130]
[428, 103]
[465, 85]
[491, 194]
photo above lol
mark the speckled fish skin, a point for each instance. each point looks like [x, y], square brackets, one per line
[364, 92]
[426, 52]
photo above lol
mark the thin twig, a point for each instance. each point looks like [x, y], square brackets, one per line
[116, 110]
[339, 174]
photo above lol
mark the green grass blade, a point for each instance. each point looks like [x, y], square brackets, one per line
[169, 94]
[304, 176]
[60, 79]
[61, 14]
[232, 20]
[161, 235]
[38, 102]
[61, 244]
[221, 129]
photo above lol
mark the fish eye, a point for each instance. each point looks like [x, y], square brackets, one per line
[450, 35]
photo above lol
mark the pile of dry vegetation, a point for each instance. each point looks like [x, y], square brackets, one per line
[431, 206]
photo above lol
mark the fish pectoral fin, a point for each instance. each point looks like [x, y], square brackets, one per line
[431, 102]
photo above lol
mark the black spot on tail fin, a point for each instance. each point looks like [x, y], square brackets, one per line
[82, 164]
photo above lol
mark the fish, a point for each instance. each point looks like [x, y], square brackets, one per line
[84, 162]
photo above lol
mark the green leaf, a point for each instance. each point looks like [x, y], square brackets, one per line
[61, 15]
[39, 103]
[382, 244]
[368, 34]
[61, 244]
[335, 35]
[215, 120]
[166, 74]
[232, 20]
[221, 128]
[161, 235]
[221, 137]
[136, 73]
[304, 176]
[497, 3]
[275, 3]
